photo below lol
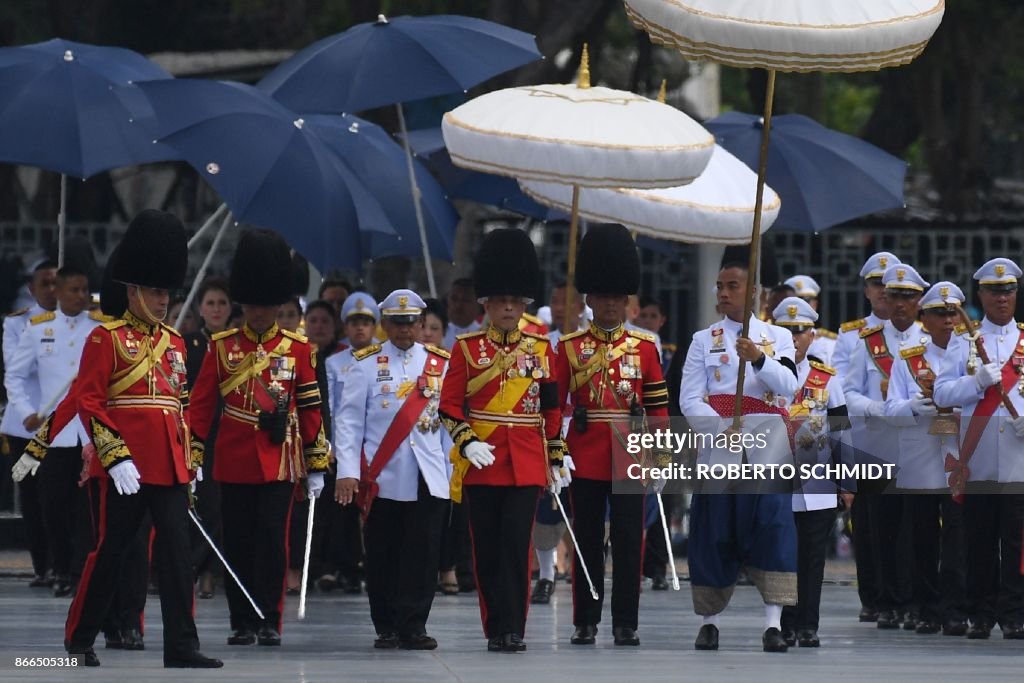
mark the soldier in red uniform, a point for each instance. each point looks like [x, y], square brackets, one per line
[499, 402]
[270, 434]
[131, 395]
[611, 376]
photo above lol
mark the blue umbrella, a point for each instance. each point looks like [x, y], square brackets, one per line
[64, 109]
[268, 167]
[393, 61]
[484, 188]
[823, 177]
[376, 159]
[397, 60]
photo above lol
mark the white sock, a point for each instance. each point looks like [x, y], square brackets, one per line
[772, 616]
[712, 620]
[546, 563]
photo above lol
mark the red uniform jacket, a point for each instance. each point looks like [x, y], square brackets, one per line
[132, 395]
[55, 422]
[501, 388]
[253, 372]
[603, 372]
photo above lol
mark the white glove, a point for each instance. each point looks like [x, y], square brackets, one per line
[922, 406]
[126, 477]
[568, 464]
[1018, 425]
[988, 375]
[561, 477]
[199, 473]
[480, 453]
[875, 409]
[25, 466]
[315, 483]
[658, 485]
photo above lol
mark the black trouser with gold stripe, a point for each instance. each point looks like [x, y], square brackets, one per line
[403, 547]
[255, 522]
[120, 517]
[501, 525]
[590, 503]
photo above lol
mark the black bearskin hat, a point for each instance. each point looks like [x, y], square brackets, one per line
[153, 252]
[261, 273]
[607, 262]
[506, 265]
[113, 295]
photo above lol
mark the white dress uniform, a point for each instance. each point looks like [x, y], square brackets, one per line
[848, 337]
[337, 365]
[709, 374]
[14, 324]
[999, 456]
[824, 344]
[47, 360]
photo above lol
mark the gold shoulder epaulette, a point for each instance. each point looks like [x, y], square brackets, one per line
[296, 336]
[226, 333]
[911, 352]
[366, 351]
[870, 331]
[572, 335]
[469, 335]
[99, 317]
[852, 325]
[646, 336]
[170, 329]
[827, 334]
[438, 351]
[535, 335]
[533, 319]
[15, 314]
[42, 318]
[821, 366]
[114, 324]
[1020, 326]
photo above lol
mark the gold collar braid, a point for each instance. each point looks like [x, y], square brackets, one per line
[503, 338]
[260, 338]
[607, 336]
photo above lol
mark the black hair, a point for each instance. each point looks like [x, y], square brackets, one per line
[69, 271]
[326, 306]
[334, 282]
[45, 264]
[212, 283]
[434, 307]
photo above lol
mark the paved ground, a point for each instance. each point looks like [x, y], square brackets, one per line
[334, 644]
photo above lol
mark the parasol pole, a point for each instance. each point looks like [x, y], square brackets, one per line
[214, 217]
[574, 227]
[202, 271]
[755, 239]
[62, 220]
[416, 203]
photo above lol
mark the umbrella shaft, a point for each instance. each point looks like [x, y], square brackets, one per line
[574, 225]
[755, 237]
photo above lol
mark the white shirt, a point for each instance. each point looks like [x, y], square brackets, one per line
[369, 405]
[48, 355]
[822, 348]
[14, 325]
[337, 367]
[1000, 453]
[921, 456]
[455, 330]
[711, 368]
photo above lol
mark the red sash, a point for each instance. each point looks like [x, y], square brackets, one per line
[403, 423]
[725, 405]
[985, 409]
[879, 352]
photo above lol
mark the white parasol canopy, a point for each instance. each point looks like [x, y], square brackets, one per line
[716, 208]
[792, 35]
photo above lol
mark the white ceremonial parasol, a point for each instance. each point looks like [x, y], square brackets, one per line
[577, 135]
[788, 35]
[716, 208]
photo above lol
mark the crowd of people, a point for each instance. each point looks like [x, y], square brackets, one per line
[456, 440]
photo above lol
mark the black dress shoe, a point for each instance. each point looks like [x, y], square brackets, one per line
[625, 635]
[62, 587]
[979, 630]
[542, 592]
[954, 627]
[772, 641]
[659, 583]
[513, 642]
[352, 586]
[1012, 631]
[192, 660]
[131, 639]
[888, 619]
[910, 622]
[789, 635]
[868, 615]
[495, 643]
[242, 636]
[268, 635]
[418, 642]
[585, 634]
[112, 641]
[808, 638]
[41, 581]
[86, 656]
[386, 641]
[926, 626]
[707, 638]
